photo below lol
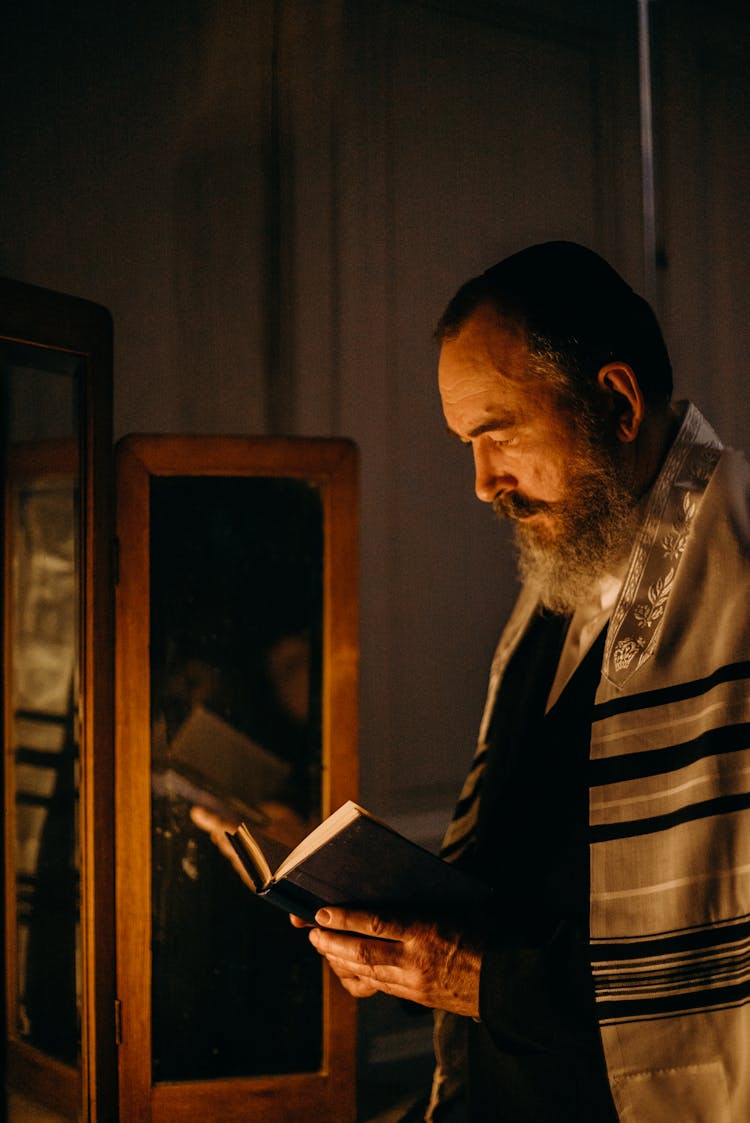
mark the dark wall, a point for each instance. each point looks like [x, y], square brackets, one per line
[276, 199]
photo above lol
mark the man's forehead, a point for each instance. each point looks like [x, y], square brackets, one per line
[488, 324]
[487, 345]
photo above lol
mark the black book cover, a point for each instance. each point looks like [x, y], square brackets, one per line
[354, 859]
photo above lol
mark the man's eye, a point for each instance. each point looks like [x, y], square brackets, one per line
[503, 442]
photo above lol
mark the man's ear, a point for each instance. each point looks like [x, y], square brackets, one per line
[618, 381]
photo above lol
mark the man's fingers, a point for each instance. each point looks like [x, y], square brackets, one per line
[357, 920]
[213, 824]
[217, 828]
[384, 974]
[354, 983]
[355, 949]
[379, 979]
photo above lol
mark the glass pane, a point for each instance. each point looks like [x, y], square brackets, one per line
[39, 429]
[236, 625]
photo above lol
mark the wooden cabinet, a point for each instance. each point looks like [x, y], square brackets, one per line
[131, 947]
[56, 439]
[236, 684]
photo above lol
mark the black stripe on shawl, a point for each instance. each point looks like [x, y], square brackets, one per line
[665, 975]
[673, 943]
[652, 762]
[676, 980]
[676, 974]
[723, 805]
[448, 853]
[464, 806]
[646, 1009]
[732, 672]
[480, 757]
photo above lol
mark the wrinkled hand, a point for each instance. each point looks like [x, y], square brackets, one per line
[427, 963]
[216, 826]
[281, 823]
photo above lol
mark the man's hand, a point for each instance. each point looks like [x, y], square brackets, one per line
[427, 963]
[217, 827]
[280, 823]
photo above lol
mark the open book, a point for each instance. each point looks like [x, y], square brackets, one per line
[355, 859]
[212, 763]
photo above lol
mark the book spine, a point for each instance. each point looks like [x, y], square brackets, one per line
[292, 899]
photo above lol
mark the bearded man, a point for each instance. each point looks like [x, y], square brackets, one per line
[608, 799]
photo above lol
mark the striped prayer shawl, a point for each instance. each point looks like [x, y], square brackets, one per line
[669, 800]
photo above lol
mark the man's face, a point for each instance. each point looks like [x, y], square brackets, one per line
[534, 462]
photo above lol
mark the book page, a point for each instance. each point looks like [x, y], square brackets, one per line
[221, 758]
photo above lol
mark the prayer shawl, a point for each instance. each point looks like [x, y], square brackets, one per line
[669, 803]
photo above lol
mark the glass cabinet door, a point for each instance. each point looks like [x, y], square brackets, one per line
[236, 699]
[55, 372]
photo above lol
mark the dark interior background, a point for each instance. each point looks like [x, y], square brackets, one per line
[276, 198]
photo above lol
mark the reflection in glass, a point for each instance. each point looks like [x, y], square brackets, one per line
[39, 432]
[236, 617]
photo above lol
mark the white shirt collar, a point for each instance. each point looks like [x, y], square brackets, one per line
[586, 623]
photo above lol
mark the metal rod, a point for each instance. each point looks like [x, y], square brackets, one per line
[647, 151]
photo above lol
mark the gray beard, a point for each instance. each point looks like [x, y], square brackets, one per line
[593, 534]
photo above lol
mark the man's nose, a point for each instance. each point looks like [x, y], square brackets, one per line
[490, 475]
